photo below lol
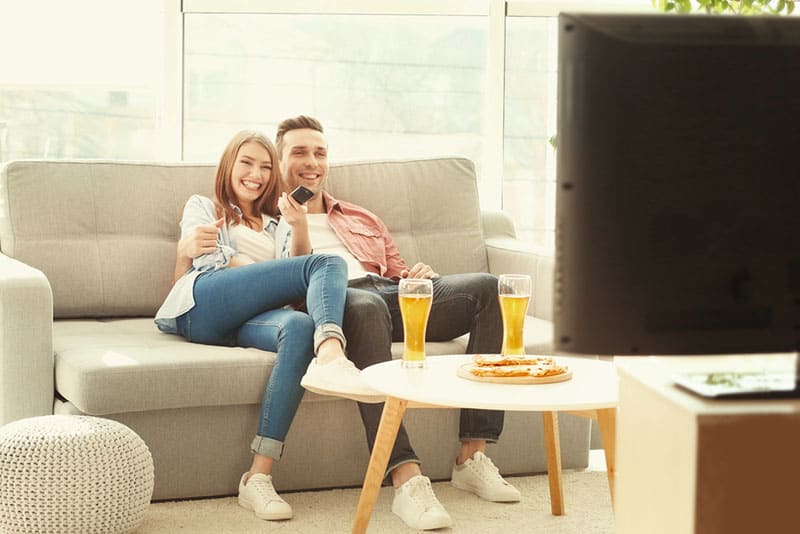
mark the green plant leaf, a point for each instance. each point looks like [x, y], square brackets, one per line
[748, 7]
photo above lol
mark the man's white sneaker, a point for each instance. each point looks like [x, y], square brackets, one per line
[260, 496]
[340, 378]
[418, 507]
[480, 476]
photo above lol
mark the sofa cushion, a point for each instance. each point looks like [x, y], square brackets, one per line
[127, 365]
[112, 366]
[107, 240]
[430, 206]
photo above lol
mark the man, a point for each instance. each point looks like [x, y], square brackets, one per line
[462, 303]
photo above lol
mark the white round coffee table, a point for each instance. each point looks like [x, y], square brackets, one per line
[591, 392]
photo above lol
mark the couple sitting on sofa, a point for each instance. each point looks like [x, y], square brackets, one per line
[349, 285]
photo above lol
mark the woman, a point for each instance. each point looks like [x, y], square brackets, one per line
[236, 294]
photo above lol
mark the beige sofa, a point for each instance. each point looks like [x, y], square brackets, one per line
[88, 249]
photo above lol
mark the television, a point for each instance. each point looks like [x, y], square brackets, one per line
[678, 184]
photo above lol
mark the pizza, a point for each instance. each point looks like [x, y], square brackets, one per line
[498, 366]
[500, 360]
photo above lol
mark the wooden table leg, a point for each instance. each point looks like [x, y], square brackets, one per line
[607, 421]
[393, 411]
[553, 445]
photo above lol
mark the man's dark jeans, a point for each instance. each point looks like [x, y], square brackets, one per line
[462, 303]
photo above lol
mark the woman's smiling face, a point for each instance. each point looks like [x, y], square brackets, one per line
[251, 173]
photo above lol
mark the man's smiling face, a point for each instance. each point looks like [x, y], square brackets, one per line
[304, 159]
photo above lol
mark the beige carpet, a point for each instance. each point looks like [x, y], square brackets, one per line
[586, 502]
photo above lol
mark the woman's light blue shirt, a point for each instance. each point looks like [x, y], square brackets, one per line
[198, 210]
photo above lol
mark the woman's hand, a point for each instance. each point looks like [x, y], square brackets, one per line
[200, 240]
[294, 213]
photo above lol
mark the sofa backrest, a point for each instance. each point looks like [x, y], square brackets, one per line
[430, 206]
[104, 232]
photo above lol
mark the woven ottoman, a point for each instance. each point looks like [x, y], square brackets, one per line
[69, 473]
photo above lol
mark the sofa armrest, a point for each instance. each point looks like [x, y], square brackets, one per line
[26, 342]
[507, 254]
[498, 225]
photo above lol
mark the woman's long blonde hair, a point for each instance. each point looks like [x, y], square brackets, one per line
[267, 202]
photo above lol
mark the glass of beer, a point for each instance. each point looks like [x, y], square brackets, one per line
[514, 292]
[416, 296]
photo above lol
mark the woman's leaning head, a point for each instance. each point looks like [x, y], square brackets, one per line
[248, 176]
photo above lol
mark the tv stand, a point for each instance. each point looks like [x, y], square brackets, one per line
[693, 465]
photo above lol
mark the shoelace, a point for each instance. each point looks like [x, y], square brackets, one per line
[486, 469]
[265, 489]
[422, 492]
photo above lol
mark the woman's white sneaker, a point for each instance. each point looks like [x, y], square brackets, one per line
[480, 476]
[417, 505]
[260, 496]
[339, 378]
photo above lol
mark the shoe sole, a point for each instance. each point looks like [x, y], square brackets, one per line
[483, 496]
[244, 503]
[418, 526]
[368, 399]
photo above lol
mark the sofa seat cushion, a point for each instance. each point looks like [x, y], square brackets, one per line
[126, 365]
[107, 366]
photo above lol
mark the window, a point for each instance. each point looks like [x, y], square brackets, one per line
[529, 123]
[383, 86]
[79, 79]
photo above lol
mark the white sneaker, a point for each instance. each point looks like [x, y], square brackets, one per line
[418, 507]
[480, 476]
[339, 378]
[260, 496]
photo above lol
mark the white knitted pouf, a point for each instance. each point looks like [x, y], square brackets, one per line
[70, 473]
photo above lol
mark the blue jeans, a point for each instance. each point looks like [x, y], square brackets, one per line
[245, 307]
[462, 303]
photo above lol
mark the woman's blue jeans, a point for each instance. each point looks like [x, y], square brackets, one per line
[247, 307]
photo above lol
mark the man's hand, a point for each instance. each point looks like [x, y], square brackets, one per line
[292, 211]
[419, 270]
[200, 240]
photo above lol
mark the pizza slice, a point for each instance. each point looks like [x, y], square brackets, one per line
[500, 360]
[538, 370]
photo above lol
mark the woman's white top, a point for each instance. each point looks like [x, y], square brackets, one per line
[257, 245]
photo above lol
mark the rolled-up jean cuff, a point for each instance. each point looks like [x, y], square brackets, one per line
[327, 331]
[267, 447]
[398, 463]
[489, 438]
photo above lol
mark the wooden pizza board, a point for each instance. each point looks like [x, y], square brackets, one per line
[463, 372]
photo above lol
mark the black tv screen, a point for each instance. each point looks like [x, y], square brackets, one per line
[678, 184]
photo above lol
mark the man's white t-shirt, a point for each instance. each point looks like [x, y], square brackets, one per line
[324, 240]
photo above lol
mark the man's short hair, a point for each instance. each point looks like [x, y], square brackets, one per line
[300, 122]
